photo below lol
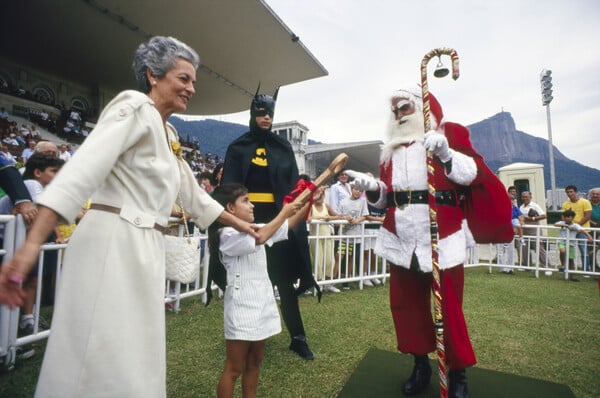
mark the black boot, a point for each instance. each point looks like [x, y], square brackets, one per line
[458, 384]
[300, 347]
[420, 377]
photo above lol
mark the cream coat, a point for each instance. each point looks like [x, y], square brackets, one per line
[108, 328]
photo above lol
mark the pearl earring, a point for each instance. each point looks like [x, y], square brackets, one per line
[154, 82]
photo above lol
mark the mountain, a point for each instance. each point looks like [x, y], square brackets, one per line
[212, 135]
[495, 138]
[500, 143]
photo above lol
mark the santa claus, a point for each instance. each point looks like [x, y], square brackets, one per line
[405, 240]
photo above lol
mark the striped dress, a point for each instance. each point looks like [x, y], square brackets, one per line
[250, 312]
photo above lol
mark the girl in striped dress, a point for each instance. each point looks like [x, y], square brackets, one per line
[250, 310]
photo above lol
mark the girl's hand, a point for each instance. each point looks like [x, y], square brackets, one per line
[291, 208]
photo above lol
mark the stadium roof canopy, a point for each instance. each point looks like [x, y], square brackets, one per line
[240, 42]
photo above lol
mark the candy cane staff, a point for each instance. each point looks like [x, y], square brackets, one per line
[433, 228]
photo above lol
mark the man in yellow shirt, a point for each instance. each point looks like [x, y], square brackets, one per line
[583, 212]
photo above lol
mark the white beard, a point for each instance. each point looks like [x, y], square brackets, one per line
[412, 130]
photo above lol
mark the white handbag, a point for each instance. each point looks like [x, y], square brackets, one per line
[182, 254]
[182, 258]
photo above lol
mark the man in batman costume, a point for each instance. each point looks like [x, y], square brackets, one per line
[265, 164]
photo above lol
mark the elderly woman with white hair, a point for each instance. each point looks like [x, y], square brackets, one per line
[108, 328]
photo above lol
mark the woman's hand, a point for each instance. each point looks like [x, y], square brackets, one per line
[250, 229]
[227, 218]
[13, 273]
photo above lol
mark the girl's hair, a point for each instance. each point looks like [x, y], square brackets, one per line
[224, 194]
[159, 55]
[228, 193]
[214, 181]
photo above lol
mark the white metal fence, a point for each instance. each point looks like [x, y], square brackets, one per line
[333, 264]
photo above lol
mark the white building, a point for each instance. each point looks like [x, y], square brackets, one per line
[297, 134]
[313, 159]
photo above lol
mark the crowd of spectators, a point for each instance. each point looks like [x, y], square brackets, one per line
[17, 141]
[72, 126]
[15, 138]
[198, 161]
[69, 124]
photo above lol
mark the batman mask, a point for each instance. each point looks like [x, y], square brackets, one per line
[262, 105]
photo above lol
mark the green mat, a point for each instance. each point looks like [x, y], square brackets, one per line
[381, 374]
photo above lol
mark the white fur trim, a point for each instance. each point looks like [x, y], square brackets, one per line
[464, 169]
[468, 234]
[409, 168]
[409, 172]
[452, 251]
[381, 203]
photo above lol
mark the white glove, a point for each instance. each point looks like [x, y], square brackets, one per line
[438, 144]
[363, 181]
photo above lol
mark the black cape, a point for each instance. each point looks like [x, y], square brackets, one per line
[287, 260]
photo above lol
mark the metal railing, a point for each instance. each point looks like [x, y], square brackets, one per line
[339, 257]
[539, 252]
[14, 236]
[332, 266]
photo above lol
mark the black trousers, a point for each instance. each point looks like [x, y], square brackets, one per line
[282, 260]
[290, 309]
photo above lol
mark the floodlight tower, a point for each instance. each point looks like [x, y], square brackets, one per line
[546, 83]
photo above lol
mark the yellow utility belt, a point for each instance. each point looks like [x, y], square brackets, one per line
[261, 197]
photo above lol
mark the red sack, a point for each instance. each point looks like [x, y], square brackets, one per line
[488, 209]
[486, 204]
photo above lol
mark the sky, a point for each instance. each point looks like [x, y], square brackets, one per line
[370, 48]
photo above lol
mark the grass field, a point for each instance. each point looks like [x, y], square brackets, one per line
[547, 329]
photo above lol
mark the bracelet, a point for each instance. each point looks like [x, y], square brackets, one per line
[16, 278]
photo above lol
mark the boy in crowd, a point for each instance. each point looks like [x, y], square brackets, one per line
[355, 210]
[570, 230]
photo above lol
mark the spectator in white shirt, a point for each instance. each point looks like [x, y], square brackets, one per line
[5, 153]
[11, 140]
[27, 152]
[532, 215]
[64, 153]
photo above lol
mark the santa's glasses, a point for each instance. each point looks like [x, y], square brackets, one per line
[403, 106]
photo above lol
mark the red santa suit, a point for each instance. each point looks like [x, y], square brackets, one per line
[404, 239]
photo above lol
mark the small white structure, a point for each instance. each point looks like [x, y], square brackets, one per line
[297, 134]
[525, 177]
